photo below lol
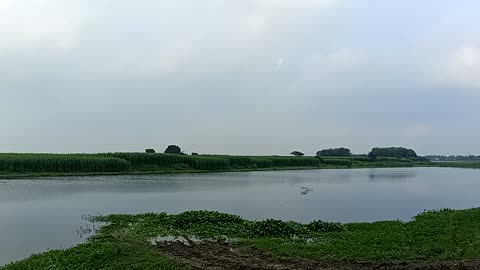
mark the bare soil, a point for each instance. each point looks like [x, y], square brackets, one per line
[217, 255]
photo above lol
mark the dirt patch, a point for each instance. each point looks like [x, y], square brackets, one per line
[217, 255]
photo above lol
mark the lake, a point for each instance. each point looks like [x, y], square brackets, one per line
[41, 214]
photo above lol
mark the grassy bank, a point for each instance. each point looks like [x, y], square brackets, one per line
[444, 235]
[42, 165]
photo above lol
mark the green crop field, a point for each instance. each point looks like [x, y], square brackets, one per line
[32, 165]
[61, 163]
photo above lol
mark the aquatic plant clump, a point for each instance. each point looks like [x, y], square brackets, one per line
[272, 228]
[188, 219]
[323, 226]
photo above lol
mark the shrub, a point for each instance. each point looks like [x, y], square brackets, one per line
[337, 162]
[173, 149]
[262, 163]
[393, 152]
[188, 219]
[334, 152]
[293, 162]
[323, 226]
[272, 228]
[297, 154]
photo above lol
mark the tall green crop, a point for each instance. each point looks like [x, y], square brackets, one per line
[29, 163]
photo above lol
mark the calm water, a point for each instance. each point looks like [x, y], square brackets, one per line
[36, 215]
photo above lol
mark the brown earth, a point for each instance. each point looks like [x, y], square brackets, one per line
[216, 255]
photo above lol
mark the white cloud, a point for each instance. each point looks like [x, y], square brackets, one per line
[5, 5]
[345, 58]
[279, 64]
[462, 67]
[416, 131]
[153, 37]
[337, 70]
[161, 60]
[295, 4]
[29, 25]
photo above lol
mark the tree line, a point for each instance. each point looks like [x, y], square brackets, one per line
[453, 158]
[398, 152]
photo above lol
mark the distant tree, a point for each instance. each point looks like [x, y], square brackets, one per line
[399, 152]
[334, 152]
[150, 151]
[423, 159]
[173, 149]
[372, 156]
[453, 158]
[297, 153]
[194, 154]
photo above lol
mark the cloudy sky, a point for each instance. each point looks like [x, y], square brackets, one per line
[239, 77]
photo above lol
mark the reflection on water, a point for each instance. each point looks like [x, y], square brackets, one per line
[303, 190]
[391, 175]
[47, 213]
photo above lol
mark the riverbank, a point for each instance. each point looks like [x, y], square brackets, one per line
[17, 166]
[7, 176]
[444, 238]
[172, 170]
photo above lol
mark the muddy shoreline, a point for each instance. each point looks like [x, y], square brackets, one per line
[214, 255]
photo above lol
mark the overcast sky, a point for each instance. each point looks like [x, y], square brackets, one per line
[239, 77]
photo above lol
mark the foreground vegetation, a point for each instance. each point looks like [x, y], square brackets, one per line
[35, 165]
[124, 242]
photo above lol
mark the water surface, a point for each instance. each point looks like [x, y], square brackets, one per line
[41, 214]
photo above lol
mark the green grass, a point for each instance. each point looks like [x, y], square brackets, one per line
[442, 235]
[121, 253]
[123, 243]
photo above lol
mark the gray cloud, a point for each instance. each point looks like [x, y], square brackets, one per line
[240, 77]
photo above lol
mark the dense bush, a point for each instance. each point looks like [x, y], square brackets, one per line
[262, 163]
[421, 159]
[394, 159]
[336, 162]
[141, 159]
[393, 152]
[188, 219]
[173, 149]
[361, 159]
[272, 228]
[334, 152]
[293, 162]
[240, 161]
[323, 226]
[297, 153]
[207, 163]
